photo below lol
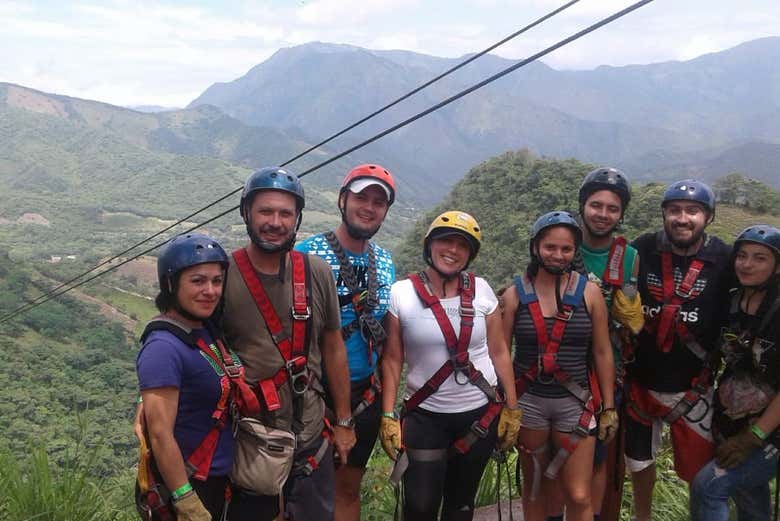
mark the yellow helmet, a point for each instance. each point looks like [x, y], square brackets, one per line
[453, 222]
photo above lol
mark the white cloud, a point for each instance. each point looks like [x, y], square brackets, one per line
[164, 52]
[323, 12]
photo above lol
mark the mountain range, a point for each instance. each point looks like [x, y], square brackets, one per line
[108, 175]
[656, 120]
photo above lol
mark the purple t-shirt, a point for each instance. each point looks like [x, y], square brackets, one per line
[165, 361]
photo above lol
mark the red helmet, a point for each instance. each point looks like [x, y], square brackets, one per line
[370, 174]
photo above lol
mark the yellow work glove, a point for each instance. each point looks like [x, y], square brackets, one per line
[628, 311]
[608, 425]
[508, 427]
[390, 436]
[190, 508]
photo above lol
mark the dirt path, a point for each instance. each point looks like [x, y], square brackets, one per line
[490, 513]
[108, 311]
[128, 323]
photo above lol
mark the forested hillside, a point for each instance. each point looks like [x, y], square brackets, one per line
[68, 375]
[508, 192]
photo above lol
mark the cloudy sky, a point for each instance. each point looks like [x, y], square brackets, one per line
[134, 52]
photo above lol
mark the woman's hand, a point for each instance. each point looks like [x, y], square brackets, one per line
[735, 450]
[509, 427]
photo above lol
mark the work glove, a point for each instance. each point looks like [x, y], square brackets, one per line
[190, 508]
[732, 452]
[390, 436]
[608, 425]
[508, 427]
[628, 311]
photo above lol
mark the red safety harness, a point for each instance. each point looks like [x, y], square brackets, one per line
[613, 276]
[458, 363]
[667, 324]
[547, 370]
[234, 392]
[294, 348]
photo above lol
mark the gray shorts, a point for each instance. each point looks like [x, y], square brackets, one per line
[558, 414]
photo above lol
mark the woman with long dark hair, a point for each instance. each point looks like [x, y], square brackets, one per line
[747, 405]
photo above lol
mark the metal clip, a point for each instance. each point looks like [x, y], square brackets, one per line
[301, 316]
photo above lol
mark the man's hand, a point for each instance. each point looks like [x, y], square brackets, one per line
[343, 441]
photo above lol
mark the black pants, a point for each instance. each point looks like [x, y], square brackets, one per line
[449, 481]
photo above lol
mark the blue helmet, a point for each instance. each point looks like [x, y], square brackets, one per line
[762, 234]
[556, 218]
[187, 250]
[271, 178]
[690, 190]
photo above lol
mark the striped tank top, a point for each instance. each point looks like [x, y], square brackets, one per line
[573, 353]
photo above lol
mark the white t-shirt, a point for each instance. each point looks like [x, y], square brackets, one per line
[425, 350]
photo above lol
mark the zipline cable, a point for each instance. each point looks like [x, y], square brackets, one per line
[407, 121]
[437, 78]
[323, 142]
[481, 84]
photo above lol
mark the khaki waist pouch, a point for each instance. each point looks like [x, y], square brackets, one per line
[263, 457]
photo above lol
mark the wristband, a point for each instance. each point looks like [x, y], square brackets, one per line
[755, 429]
[140, 399]
[179, 492]
[392, 415]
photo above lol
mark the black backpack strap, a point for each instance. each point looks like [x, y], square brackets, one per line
[177, 329]
[769, 316]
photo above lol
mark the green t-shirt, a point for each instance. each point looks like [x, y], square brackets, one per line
[596, 262]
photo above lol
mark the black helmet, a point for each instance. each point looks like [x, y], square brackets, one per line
[762, 234]
[610, 179]
[271, 178]
[690, 190]
[184, 251]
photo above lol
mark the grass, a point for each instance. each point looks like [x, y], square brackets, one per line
[36, 488]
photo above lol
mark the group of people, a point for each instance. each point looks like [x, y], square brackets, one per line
[271, 371]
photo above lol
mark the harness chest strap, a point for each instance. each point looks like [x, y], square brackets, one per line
[459, 363]
[232, 384]
[365, 315]
[667, 323]
[292, 349]
[547, 361]
[613, 272]
[457, 345]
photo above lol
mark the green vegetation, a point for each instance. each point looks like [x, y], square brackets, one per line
[68, 386]
[62, 359]
[507, 193]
